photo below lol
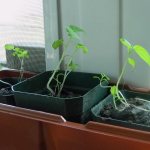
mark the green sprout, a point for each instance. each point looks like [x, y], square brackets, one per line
[72, 38]
[21, 54]
[114, 90]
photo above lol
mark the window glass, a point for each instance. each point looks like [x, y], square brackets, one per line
[21, 23]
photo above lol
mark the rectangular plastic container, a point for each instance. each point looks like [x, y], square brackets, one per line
[27, 95]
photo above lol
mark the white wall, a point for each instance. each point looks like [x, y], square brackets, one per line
[136, 28]
[100, 20]
[51, 32]
[105, 21]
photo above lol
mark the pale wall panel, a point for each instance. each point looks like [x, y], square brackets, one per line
[136, 28]
[51, 32]
[100, 19]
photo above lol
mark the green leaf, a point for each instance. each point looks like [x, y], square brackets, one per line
[83, 47]
[75, 28]
[114, 90]
[17, 49]
[142, 53]
[9, 47]
[97, 77]
[14, 54]
[131, 61]
[72, 33]
[57, 43]
[20, 55]
[73, 66]
[20, 52]
[126, 43]
[104, 77]
[25, 53]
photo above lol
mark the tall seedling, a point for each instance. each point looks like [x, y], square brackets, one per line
[114, 90]
[72, 40]
[21, 54]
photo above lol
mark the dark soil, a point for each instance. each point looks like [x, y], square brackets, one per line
[5, 91]
[66, 93]
[69, 94]
[130, 114]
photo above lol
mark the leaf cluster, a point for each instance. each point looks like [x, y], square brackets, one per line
[138, 49]
[19, 52]
[73, 38]
[143, 55]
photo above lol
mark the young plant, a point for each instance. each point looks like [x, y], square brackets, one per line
[114, 90]
[21, 54]
[72, 38]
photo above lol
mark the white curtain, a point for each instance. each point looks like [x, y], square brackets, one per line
[21, 23]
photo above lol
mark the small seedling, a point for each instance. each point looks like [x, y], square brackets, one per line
[72, 38]
[21, 54]
[114, 90]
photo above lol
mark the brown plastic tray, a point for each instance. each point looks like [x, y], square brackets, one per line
[23, 129]
[14, 73]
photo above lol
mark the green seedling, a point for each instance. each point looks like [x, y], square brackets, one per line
[114, 90]
[21, 54]
[72, 40]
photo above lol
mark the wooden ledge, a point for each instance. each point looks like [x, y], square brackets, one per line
[118, 130]
[31, 114]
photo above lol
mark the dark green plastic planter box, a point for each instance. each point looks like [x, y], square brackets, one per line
[10, 77]
[7, 98]
[27, 95]
[109, 100]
